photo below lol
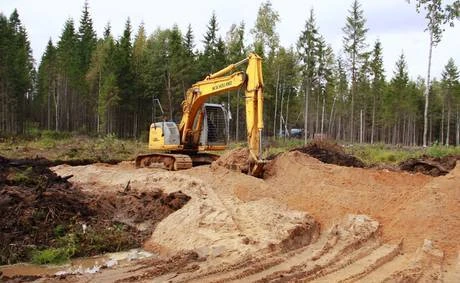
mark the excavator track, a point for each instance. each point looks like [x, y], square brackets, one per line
[172, 162]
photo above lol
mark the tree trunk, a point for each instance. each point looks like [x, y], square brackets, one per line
[322, 113]
[442, 125]
[448, 125]
[427, 92]
[287, 116]
[307, 92]
[56, 106]
[276, 102]
[317, 113]
[353, 85]
[373, 120]
[329, 127]
[281, 110]
[168, 89]
[237, 115]
[457, 138]
[361, 126]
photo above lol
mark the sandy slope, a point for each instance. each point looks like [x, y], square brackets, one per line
[366, 225]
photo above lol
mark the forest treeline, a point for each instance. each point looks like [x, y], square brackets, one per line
[101, 85]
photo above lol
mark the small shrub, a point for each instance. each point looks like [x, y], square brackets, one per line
[51, 255]
[53, 135]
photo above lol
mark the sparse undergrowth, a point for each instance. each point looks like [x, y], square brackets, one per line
[66, 146]
[393, 155]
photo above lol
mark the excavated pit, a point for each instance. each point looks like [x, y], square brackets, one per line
[38, 207]
[433, 166]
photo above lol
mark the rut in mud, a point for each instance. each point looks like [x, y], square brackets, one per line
[39, 209]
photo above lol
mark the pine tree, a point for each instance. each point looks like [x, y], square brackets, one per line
[210, 59]
[307, 45]
[377, 83]
[16, 74]
[86, 45]
[190, 71]
[68, 78]
[450, 76]
[124, 75]
[354, 41]
[47, 83]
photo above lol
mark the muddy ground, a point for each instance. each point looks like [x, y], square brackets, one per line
[305, 220]
[39, 210]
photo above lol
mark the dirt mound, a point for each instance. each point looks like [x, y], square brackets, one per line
[330, 153]
[221, 226]
[236, 159]
[433, 166]
[431, 212]
[288, 163]
[39, 209]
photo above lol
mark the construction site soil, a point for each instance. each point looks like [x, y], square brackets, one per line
[38, 207]
[304, 221]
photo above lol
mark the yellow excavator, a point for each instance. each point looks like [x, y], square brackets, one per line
[203, 126]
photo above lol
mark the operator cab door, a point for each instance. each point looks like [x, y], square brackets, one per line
[214, 131]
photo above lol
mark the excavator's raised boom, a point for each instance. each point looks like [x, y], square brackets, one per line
[222, 82]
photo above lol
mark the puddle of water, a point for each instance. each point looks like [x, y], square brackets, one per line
[75, 266]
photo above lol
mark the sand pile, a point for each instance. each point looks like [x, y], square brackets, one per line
[236, 159]
[432, 212]
[219, 225]
[410, 206]
[214, 222]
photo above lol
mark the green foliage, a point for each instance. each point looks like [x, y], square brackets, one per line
[52, 256]
[382, 154]
[100, 86]
[441, 151]
[266, 39]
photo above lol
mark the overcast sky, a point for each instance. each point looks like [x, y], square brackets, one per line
[394, 22]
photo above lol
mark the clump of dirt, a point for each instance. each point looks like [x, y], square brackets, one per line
[39, 210]
[433, 166]
[331, 153]
[236, 159]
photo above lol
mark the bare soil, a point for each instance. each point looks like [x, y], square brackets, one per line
[305, 221]
[433, 166]
[331, 153]
[37, 207]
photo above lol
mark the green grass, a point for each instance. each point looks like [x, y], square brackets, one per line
[66, 146]
[387, 154]
[51, 256]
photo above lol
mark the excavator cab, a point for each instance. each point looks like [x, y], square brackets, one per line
[214, 129]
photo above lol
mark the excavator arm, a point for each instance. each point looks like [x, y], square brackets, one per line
[219, 83]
